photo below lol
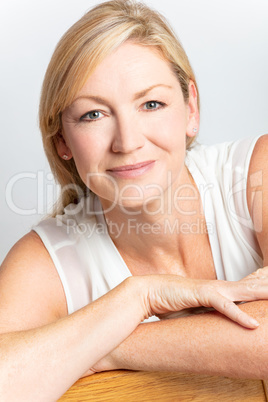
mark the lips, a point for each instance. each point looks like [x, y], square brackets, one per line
[131, 171]
[130, 167]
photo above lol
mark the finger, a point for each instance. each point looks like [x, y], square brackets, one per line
[245, 290]
[253, 289]
[261, 272]
[232, 311]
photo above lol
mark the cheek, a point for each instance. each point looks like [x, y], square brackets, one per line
[89, 157]
[170, 132]
[88, 151]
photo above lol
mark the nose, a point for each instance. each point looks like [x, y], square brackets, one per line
[128, 136]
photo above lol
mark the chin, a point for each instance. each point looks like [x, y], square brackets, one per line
[147, 201]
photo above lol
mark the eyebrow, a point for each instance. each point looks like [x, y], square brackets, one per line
[141, 94]
[137, 96]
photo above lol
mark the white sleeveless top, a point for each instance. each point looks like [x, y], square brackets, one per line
[89, 264]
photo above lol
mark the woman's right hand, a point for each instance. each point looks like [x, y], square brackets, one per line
[166, 294]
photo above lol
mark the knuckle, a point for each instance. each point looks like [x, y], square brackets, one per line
[256, 273]
[259, 272]
[228, 305]
[207, 288]
[252, 286]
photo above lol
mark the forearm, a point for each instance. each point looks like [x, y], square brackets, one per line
[205, 344]
[42, 363]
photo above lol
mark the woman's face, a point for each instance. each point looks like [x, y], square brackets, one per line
[126, 128]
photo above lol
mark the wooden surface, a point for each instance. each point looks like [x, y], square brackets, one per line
[265, 386]
[131, 386]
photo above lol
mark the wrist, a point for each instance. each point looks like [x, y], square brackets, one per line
[141, 294]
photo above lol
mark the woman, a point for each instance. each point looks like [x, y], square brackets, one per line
[143, 228]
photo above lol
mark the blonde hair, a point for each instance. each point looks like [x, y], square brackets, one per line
[79, 52]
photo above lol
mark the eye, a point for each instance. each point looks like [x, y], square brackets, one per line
[153, 105]
[91, 116]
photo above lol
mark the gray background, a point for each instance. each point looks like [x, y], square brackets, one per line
[227, 44]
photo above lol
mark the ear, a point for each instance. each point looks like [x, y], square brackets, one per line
[193, 112]
[62, 149]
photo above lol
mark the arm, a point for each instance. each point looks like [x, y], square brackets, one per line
[209, 343]
[201, 344]
[257, 193]
[40, 344]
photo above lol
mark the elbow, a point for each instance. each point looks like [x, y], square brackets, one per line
[254, 343]
[262, 370]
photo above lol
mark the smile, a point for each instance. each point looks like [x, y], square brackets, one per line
[130, 171]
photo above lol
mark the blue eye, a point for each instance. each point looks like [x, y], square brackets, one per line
[90, 116]
[153, 105]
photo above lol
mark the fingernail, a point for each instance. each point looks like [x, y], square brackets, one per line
[254, 322]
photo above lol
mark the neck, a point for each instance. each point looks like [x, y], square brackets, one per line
[160, 226]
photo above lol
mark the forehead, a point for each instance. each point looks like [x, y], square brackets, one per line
[131, 66]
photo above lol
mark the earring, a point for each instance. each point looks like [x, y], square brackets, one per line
[195, 130]
[65, 157]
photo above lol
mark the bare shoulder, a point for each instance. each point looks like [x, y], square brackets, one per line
[31, 291]
[258, 171]
[259, 156]
[257, 192]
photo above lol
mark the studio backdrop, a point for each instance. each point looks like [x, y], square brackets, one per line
[227, 44]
